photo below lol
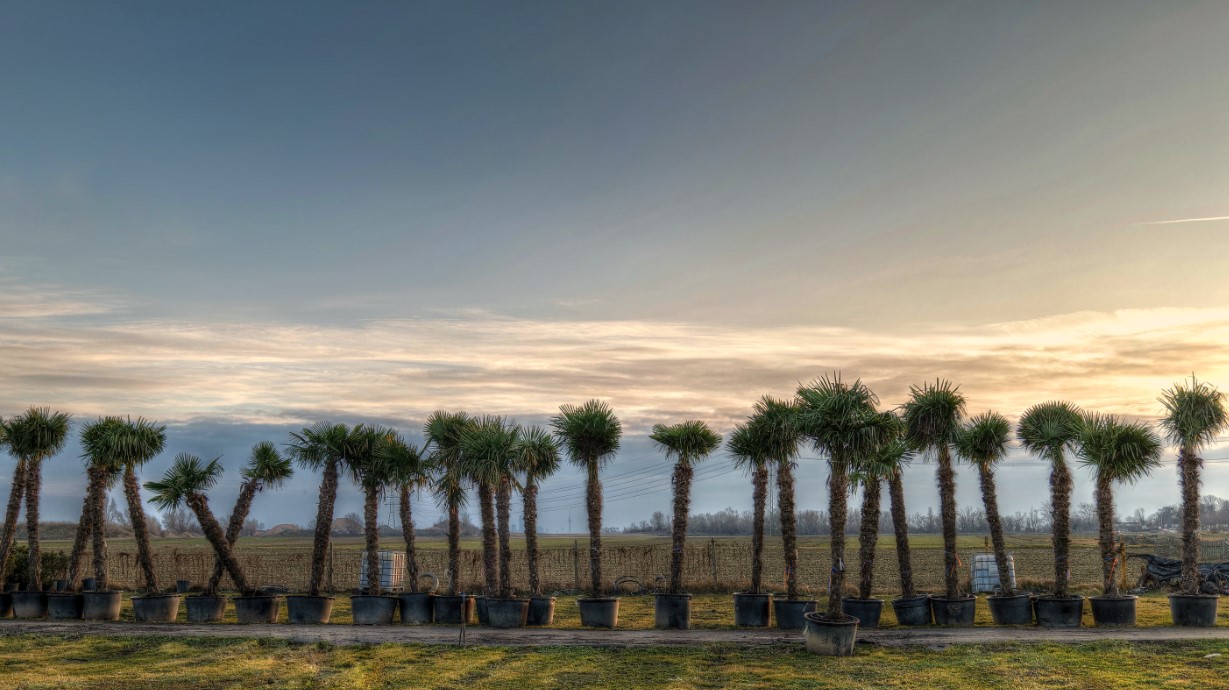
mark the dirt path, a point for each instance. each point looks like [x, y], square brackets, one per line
[451, 635]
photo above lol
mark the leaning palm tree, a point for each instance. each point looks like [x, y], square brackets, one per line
[868, 472]
[16, 492]
[34, 437]
[537, 455]
[1194, 415]
[134, 444]
[487, 447]
[409, 470]
[321, 446]
[752, 455]
[444, 431]
[1048, 429]
[265, 469]
[686, 443]
[983, 443]
[776, 424]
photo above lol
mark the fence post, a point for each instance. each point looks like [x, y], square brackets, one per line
[712, 550]
[576, 562]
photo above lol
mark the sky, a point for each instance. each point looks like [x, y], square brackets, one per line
[240, 218]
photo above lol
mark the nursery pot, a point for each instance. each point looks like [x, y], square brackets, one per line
[61, 585]
[789, 612]
[101, 605]
[599, 612]
[205, 608]
[453, 609]
[1016, 609]
[12, 586]
[1113, 611]
[1188, 610]
[257, 609]
[541, 611]
[752, 610]
[156, 608]
[304, 609]
[64, 606]
[29, 604]
[956, 612]
[416, 608]
[829, 637]
[507, 613]
[672, 612]
[912, 610]
[182, 586]
[867, 611]
[6, 604]
[88, 584]
[480, 607]
[373, 609]
[1059, 612]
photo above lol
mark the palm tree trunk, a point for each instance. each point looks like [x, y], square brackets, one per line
[838, 488]
[990, 499]
[530, 498]
[136, 515]
[217, 539]
[900, 525]
[503, 498]
[759, 496]
[1105, 533]
[454, 548]
[490, 547]
[789, 527]
[407, 532]
[868, 537]
[947, 501]
[98, 521]
[77, 559]
[16, 493]
[324, 525]
[243, 506]
[682, 503]
[1060, 488]
[1190, 466]
[593, 503]
[34, 563]
[371, 531]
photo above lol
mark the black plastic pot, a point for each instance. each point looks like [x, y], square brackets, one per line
[953, 612]
[182, 586]
[599, 612]
[1188, 610]
[453, 609]
[912, 610]
[416, 608]
[6, 604]
[1113, 611]
[480, 603]
[29, 604]
[1016, 609]
[507, 613]
[205, 608]
[790, 613]
[61, 585]
[373, 609]
[101, 605]
[64, 606]
[302, 609]
[829, 637]
[257, 609]
[1059, 612]
[12, 586]
[156, 608]
[867, 611]
[89, 584]
[541, 611]
[752, 610]
[672, 612]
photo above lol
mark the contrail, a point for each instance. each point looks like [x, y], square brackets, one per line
[1187, 220]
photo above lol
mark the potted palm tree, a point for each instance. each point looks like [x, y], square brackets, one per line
[322, 447]
[486, 448]
[537, 455]
[372, 471]
[444, 431]
[16, 490]
[590, 432]
[185, 483]
[751, 453]
[687, 443]
[1194, 416]
[983, 443]
[408, 470]
[72, 603]
[910, 607]
[1123, 452]
[932, 419]
[101, 441]
[1048, 429]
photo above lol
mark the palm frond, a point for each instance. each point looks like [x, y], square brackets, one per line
[536, 453]
[187, 476]
[686, 442]
[590, 432]
[1194, 414]
[38, 434]
[1119, 451]
[983, 440]
[318, 444]
[267, 466]
[933, 414]
[1047, 428]
[488, 449]
[840, 418]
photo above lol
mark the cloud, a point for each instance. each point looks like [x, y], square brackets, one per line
[1211, 219]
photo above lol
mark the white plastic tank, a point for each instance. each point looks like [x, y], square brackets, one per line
[985, 572]
[392, 571]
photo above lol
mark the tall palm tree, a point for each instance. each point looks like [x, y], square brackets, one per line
[133, 444]
[775, 423]
[1048, 429]
[34, 437]
[687, 443]
[590, 432]
[869, 470]
[98, 441]
[1194, 416]
[321, 446]
[903, 452]
[186, 482]
[537, 455]
[409, 470]
[932, 418]
[1117, 451]
[751, 454]
[841, 420]
[489, 449]
[265, 469]
[371, 469]
[444, 431]
[16, 492]
[983, 443]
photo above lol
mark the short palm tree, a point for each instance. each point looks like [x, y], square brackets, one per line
[537, 455]
[775, 423]
[1194, 415]
[370, 468]
[134, 444]
[868, 472]
[590, 432]
[185, 483]
[1117, 451]
[409, 470]
[1048, 429]
[444, 431]
[16, 491]
[751, 454]
[932, 418]
[687, 443]
[321, 446]
[983, 443]
[98, 441]
[489, 449]
[265, 469]
[34, 437]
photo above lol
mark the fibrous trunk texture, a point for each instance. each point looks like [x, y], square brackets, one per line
[1105, 533]
[371, 531]
[324, 525]
[217, 539]
[490, 547]
[947, 503]
[77, 559]
[530, 499]
[136, 515]
[243, 505]
[1060, 489]
[838, 487]
[868, 537]
[990, 499]
[98, 522]
[16, 492]
[407, 533]
[503, 510]
[682, 503]
[789, 527]
[34, 564]
[759, 499]
[900, 525]
[454, 547]
[1190, 465]
[593, 501]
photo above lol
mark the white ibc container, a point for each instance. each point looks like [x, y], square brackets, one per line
[985, 572]
[392, 571]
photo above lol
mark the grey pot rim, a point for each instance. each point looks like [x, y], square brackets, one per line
[251, 597]
[935, 597]
[310, 596]
[755, 595]
[1009, 597]
[541, 597]
[862, 601]
[150, 597]
[783, 600]
[666, 595]
[1053, 598]
[1120, 597]
[821, 618]
[916, 597]
[496, 600]
[598, 600]
[373, 596]
[1194, 596]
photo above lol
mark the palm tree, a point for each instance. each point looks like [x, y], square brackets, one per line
[409, 470]
[537, 455]
[33, 437]
[932, 419]
[371, 469]
[321, 446]
[1194, 416]
[869, 471]
[265, 469]
[444, 431]
[775, 423]
[98, 440]
[902, 451]
[590, 432]
[1047, 429]
[133, 444]
[687, 443]
[841, 421]
[752, 455]
[982, 443]
[186, 483]
[16, 492]
[489, 449]
[1118, 452]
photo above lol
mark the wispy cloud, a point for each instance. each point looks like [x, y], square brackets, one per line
[1210, 219]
